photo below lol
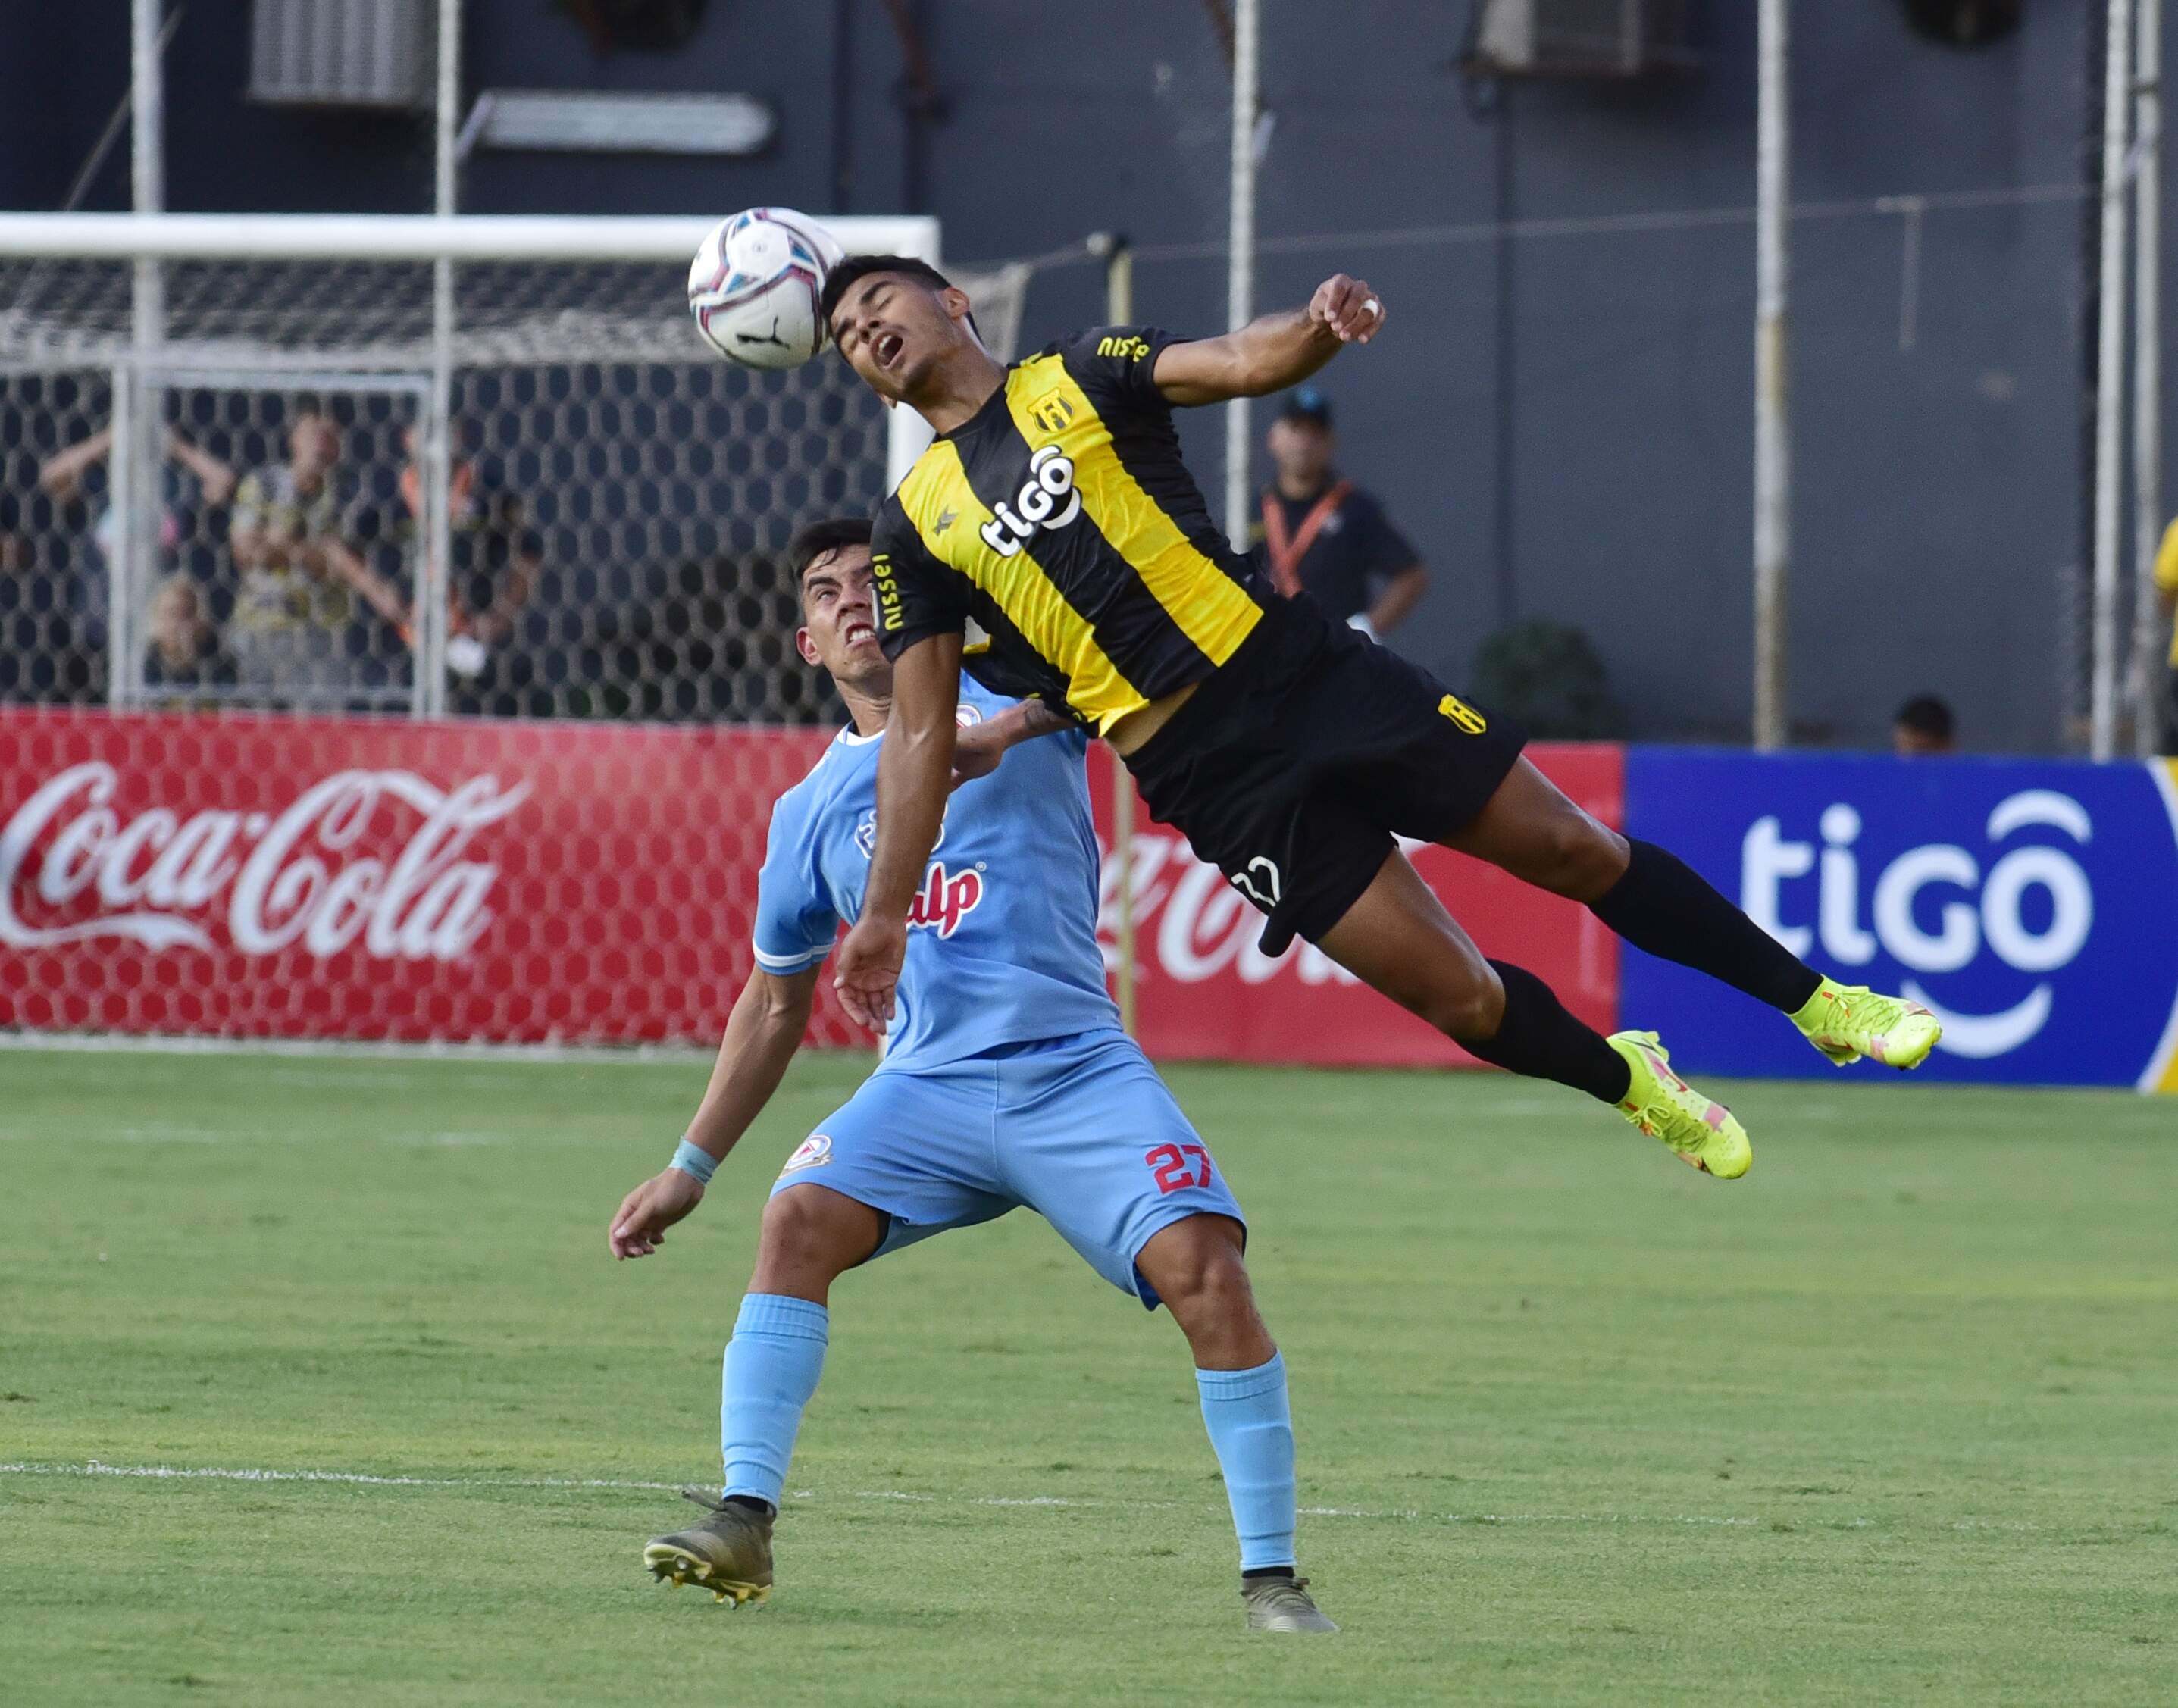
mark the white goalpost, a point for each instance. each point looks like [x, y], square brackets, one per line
[555, 352]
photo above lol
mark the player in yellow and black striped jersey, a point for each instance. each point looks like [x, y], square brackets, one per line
[1052, 541]
[1059, 529]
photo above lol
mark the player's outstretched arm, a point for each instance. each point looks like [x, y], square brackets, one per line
[766, 1027]
[914, 777]
[977, 749]
[1273, 353]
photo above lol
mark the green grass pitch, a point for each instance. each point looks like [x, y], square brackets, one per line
[1889, 1421]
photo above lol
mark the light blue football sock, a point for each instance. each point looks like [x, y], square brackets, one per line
[772, 1365]
[1252, 1430]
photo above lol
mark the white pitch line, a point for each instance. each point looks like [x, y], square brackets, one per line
[95, 1468]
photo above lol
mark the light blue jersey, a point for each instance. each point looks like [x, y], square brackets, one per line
[1002, 940]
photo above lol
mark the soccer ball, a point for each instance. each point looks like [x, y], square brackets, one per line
[754, 284]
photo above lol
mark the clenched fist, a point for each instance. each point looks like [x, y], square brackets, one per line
[1354, 313]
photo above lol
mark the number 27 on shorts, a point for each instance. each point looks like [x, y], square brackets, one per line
[1177, 1166]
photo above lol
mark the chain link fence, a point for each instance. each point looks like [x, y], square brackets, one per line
[238, 514]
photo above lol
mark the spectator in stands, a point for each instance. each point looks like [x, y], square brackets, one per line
[1923, 726]
[192, 481]
[1325, 538]
[294, 609]
[496, 559]
[184, 651]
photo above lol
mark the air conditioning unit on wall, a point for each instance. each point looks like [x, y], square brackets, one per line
[342, 52]
[1582, 38]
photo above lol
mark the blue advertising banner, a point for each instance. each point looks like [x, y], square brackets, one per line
[2033, 905]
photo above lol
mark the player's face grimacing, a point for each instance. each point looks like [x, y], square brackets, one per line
[839, 629]
[894, 332]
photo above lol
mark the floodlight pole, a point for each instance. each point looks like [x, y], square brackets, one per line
[136, 453]
[428, 692]
[1773, 444]
[2149, 630]
[2110, 382]
[1240, 269]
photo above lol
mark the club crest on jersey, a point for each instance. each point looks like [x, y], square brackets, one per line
[866, 828]
[947, 899]
[812, 1152]
[1047, 499]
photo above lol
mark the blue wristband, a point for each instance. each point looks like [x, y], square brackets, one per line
[694, 1159]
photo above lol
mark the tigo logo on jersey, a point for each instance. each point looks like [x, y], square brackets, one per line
[812, 1152]
[1036, 505]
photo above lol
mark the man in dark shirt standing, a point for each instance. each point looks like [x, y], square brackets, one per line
[1325, 537]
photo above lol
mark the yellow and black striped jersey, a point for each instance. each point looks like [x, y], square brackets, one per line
[1057, 530]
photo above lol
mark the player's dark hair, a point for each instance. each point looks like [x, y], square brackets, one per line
[1924, 714]
[820, 539]
[843, 277]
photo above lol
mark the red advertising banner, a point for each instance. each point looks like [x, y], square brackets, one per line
[366, 879]
[322, 878]
[1203, 990]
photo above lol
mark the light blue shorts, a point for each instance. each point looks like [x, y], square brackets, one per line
[1081, 1130]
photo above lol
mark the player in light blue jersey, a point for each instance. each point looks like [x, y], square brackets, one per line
[1005, 1081]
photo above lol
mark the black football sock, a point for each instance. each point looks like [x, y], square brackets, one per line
[1249, 1576]
[1538, 1038]
[1662, 905]
[761, 1508]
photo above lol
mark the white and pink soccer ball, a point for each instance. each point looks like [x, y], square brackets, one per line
[754, 285]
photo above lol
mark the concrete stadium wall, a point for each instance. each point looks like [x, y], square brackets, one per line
[1561, 423]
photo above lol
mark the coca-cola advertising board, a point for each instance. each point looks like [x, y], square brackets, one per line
[322, 878]
[364, 879]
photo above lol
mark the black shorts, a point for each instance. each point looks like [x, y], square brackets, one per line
[1292, 767]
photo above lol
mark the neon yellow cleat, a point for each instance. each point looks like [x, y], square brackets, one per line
[1703, 1133]
[1848, 1021]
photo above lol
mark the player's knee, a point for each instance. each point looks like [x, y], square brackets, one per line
[1470, 1007]
[1582, 858]
[1196, 1267]
[810, 1235]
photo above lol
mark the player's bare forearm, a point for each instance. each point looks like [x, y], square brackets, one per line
[914, 777]
[977, 749]
[1266, 355]
[1274, 352]
[769, 1021]
[764, 1030]
[914, 773]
